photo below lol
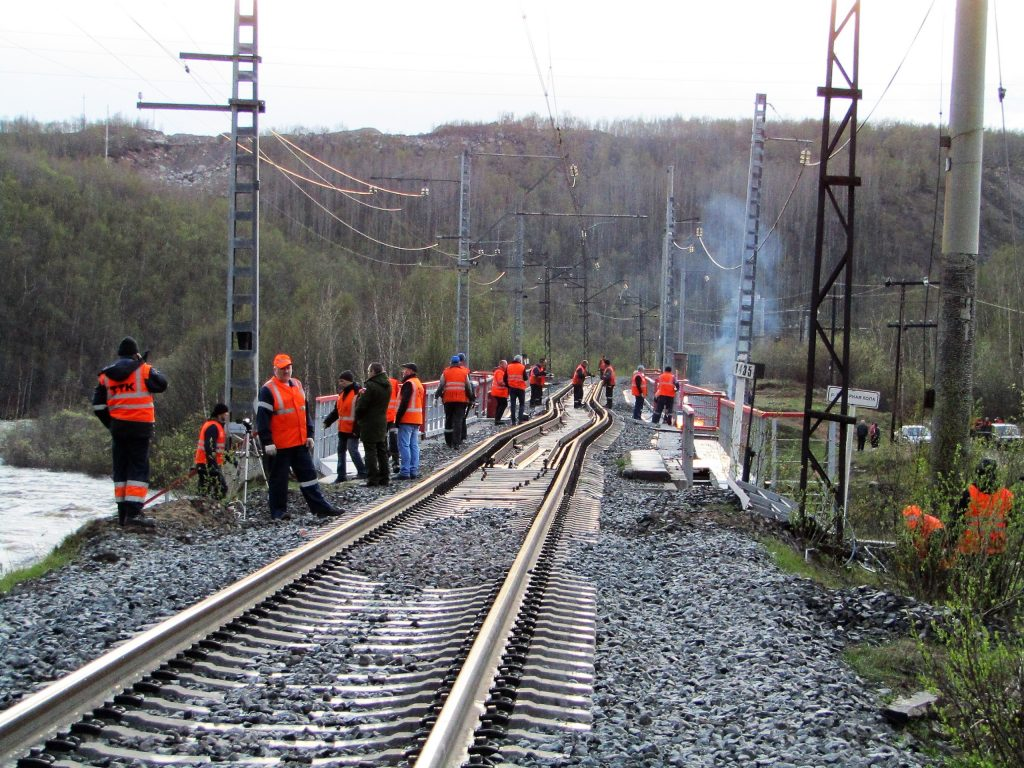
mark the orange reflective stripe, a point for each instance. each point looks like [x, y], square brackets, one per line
[666, 385]
[516, 373]
[498, 386]
[135, 491]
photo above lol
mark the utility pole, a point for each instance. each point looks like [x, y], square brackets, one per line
[748, 272]
[243, 304]
[833, 266]
[666, 271]
[518, 265]
[464, 264]
[954, 382]
[897, 395]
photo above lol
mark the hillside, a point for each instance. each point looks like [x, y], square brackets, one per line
[136, 244]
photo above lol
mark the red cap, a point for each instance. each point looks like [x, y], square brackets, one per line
[282, 361]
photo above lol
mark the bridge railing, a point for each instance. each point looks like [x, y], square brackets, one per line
[775, 441]
[325, 441]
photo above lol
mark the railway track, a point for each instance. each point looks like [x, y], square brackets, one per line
[439, 627]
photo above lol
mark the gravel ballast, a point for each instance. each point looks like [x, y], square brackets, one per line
[707, 654]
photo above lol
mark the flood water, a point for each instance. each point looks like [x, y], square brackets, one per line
[40, 508]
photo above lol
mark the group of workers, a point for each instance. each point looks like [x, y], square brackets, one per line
[385, 414]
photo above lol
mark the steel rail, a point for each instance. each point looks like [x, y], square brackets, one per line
[449, 740]
[38, 716]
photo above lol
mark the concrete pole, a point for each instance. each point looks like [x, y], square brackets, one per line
[666, 271]
[464, 263]
[954, 381]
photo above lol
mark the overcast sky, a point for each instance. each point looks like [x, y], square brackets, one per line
[407, 67]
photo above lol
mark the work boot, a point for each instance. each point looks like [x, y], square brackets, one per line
[139, 521]
[331, 511]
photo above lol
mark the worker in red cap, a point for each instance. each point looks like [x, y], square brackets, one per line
[285, 429]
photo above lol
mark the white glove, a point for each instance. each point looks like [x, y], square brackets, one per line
[270, 450]
[309, 443]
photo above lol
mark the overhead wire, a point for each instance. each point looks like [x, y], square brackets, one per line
[712, 258]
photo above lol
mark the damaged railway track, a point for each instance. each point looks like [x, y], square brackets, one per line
[320, 658]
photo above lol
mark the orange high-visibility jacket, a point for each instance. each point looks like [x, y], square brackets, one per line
[201, 457]
[413, 413]
[922, 526]
[516, 375]
[985, 520]
[609, 375]
[537, 375]
[639, 384]
[666, 385]
[396, 390]
[455, 378]
[499, 386]
[346, 411]
[288, 417]
[579, 374]
[130, 399]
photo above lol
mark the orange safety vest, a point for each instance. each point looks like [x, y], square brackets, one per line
[200, 457]
[579, 374]
[986, 522]
[414, 411]
[922, 526]
[288, 419]
[498, 386]
[396, 391]
[130, 399]
[666, 385]
[642, 389]
[346, 412]
[516, 373]
[537, 375]
[611, 379]
[455, 378]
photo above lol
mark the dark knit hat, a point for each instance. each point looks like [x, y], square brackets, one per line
[347, 375]
[128, 347]
[218, 409]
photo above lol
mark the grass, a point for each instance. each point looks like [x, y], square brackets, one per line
[61, 555]
[828, 574]
[898, 665]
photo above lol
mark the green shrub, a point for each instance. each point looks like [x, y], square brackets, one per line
[67, 440]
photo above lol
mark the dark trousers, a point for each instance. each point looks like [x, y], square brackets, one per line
[500, 404]
[393, 444]
[860, 441]
[279, 466]
[663, 403]
[454, 423]
[536, 394]
[577, 395]
[349, 444]
[130, 470]
[609, 394]
[516, 396]
[638, 406]
[211, 481]
[376, 462]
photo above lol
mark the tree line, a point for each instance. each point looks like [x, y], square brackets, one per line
[92, 250]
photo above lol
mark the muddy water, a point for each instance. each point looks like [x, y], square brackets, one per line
[40, 508]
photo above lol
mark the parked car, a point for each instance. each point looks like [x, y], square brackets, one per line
[1005, 432]
[914, 434]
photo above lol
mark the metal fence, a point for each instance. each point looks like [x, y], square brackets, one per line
[775, 441]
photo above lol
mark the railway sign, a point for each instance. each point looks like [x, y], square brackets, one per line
[745, 370]
[860, 398]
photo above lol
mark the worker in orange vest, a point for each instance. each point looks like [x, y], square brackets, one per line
[209, 456]
[499, 390]
[344, 413]
[665, 390]
[984, 509]
[537, 376]
[516, 376]
[638, 388]
[921, 527]
[578, 376]
[456, 392]
[412, 404]
[285, 429]
[608, 377]
[123, 401]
